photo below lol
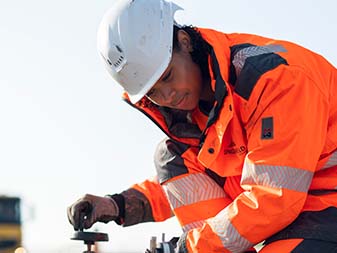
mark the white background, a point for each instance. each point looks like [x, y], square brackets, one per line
[64, 130]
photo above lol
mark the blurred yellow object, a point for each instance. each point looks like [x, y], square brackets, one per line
[10, 225]
[20, 250]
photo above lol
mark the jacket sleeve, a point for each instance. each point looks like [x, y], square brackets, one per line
[145, 202]
[286, 118]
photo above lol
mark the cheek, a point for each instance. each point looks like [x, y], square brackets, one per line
[196, 84]
[192, 78]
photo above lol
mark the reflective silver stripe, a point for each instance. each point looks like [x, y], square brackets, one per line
[191, 189]
[196, 224]
[276, 176]
[227, 233]
[331, 162]
[240, 57]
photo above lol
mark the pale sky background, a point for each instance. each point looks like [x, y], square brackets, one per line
[64, 131]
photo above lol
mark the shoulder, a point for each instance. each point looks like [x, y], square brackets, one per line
[250, 62]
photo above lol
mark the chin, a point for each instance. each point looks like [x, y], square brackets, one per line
[189, 107]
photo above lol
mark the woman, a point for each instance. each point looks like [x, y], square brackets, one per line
[252, 134]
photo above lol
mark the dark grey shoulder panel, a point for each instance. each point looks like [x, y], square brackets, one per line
[168, 160]
[137, 208]
[254, 68]
[249, 63]
[234, 50]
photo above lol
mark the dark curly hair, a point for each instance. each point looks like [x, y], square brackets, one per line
[201, 48]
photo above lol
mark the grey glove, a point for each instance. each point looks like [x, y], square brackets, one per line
[90, 209]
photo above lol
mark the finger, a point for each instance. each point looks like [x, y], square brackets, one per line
[69, 215]
[77, 211]
[88, 221]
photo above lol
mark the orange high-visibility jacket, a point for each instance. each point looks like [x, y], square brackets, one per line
[270, 144]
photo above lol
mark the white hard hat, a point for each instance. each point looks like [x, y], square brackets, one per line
[135, 40]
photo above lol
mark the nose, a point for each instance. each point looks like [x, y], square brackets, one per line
[163, 95]
[168, 94]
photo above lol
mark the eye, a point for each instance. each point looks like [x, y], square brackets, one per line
[167, 76]
[150, 93]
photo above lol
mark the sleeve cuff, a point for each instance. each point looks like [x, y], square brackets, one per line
[120, 201]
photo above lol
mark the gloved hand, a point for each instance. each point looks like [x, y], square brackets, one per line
[90, 209]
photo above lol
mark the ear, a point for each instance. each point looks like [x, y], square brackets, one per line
[184, 41]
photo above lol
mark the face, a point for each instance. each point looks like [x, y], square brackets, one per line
[181, 84]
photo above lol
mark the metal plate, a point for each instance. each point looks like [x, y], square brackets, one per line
[90, 236]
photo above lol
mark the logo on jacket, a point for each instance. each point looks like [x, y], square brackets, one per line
[233, 149]
[267, 131]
